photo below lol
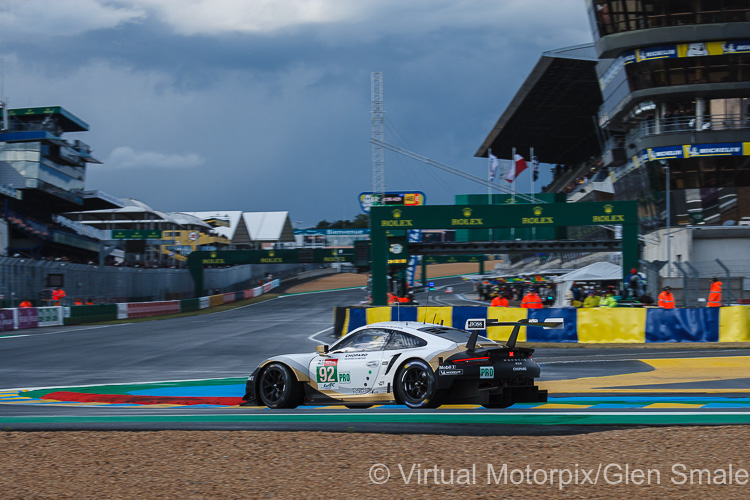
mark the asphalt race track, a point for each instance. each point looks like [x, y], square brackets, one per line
[209, 356]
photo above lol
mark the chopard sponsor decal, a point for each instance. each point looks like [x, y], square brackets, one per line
[358, 355]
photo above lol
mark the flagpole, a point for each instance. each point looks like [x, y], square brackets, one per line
[533, 186]
[513, 197]
[515, 174]
[489, 188]
[489, 176]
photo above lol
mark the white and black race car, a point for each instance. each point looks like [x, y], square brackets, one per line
[420, 365]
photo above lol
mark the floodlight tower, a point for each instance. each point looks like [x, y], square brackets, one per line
[376, 133]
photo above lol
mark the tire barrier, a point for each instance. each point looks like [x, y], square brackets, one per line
[33, 317]
[601, 325]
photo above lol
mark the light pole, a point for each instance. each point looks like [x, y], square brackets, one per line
[669, 223]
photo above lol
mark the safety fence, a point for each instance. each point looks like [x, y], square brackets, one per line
[31, 317]
[34, 317]
[24, 279]
[599, 325]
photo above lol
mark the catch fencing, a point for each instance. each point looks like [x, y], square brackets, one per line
[24, 279]
[692, 281]
[35, 317]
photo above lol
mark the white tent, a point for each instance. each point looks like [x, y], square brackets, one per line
[599, 271]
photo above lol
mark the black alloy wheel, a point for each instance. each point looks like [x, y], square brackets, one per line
[278, 388]
[417, 385]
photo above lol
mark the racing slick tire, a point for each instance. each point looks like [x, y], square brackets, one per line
[278, 388]
[416, 385]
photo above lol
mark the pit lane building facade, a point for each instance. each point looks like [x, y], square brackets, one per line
[657, 110]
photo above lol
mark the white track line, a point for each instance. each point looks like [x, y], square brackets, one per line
[312, 338]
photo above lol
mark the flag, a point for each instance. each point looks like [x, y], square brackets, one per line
[493, 166]
[535, 168]
[515, 170]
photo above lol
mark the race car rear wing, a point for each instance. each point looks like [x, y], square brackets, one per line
[481, 324]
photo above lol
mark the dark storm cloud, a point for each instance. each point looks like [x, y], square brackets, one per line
[241, 119]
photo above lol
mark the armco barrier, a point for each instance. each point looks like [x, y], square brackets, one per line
[27, 317]
[90, 314]
[122, 310]
[600, 325]
[734, 324]
[683, 325]
[50, 316]
[190, 305]
[7, 320]
[11, 319]
[145, 309]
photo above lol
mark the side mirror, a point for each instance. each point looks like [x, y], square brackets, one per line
[322, 349]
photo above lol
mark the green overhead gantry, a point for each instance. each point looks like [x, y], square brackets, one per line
[389, 220]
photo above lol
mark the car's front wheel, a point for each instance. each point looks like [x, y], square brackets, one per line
[417, 385]
[278, 388]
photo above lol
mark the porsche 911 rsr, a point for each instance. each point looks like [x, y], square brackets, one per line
[420, 365]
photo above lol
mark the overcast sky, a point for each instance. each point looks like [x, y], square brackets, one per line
[262, 105]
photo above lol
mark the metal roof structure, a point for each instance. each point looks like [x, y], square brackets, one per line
[135, 212]
[227, 223]
[67, 120]
[554, 111]
[243, 228]
[269, 226]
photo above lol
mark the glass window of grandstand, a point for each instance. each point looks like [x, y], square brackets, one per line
[689, 70]
[707, 190]
[650, 118]
[728, 113]
[20, 151]
[710, 172]
[616, 16]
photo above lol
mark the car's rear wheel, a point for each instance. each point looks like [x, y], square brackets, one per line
[417, 386]
[278, 388]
